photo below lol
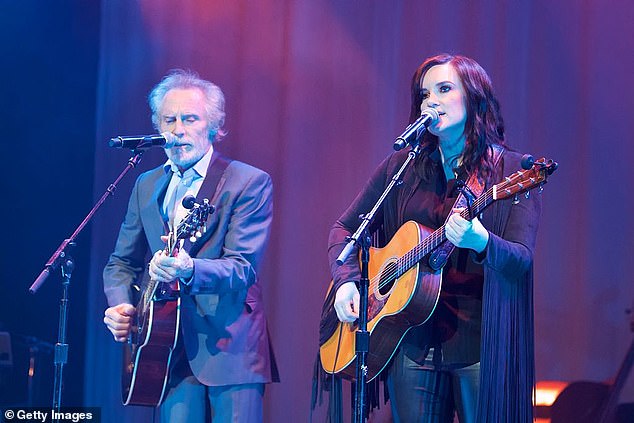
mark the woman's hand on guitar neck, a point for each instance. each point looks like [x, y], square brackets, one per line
[347, 302]
[465, 233]
[118, 320]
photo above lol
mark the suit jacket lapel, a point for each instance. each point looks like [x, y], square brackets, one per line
[153, 223]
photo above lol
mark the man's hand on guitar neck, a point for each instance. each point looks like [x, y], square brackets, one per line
[166, 268]
[347, 302]
[118, 319]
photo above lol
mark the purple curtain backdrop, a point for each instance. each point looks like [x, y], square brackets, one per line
[316, 92]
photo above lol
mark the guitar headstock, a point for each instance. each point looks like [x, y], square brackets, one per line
[523, 181]
[193, 225]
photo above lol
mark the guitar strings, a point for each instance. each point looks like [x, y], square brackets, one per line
[413, 256]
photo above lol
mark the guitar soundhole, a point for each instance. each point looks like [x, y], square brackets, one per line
[387, 278]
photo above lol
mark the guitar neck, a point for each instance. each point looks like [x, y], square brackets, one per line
[416, 254]
[172, 241]
[519, 182]
[149, 291]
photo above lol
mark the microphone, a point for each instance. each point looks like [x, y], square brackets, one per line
[133, 142]
[427, 117]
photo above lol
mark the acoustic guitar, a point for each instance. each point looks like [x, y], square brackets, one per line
[404, 289]
[147, 354]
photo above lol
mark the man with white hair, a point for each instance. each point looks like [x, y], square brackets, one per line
[223, 357]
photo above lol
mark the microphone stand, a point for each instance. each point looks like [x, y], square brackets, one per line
[61, 258]
[361, 239]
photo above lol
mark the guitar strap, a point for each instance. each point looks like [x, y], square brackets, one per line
[474, 188]
[213, 181]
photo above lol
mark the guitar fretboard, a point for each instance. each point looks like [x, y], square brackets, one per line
[416, 254]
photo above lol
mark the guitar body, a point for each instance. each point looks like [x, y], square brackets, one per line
[148, 353]
[394, 307]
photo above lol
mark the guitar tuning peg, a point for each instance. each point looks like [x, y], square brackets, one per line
[541, 188]
[527, 195]
[192, 239]
[198, 234]
[516, 200]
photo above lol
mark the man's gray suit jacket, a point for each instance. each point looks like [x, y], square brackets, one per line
[222, 318]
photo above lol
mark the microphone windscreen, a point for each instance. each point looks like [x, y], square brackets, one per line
[170, 139]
